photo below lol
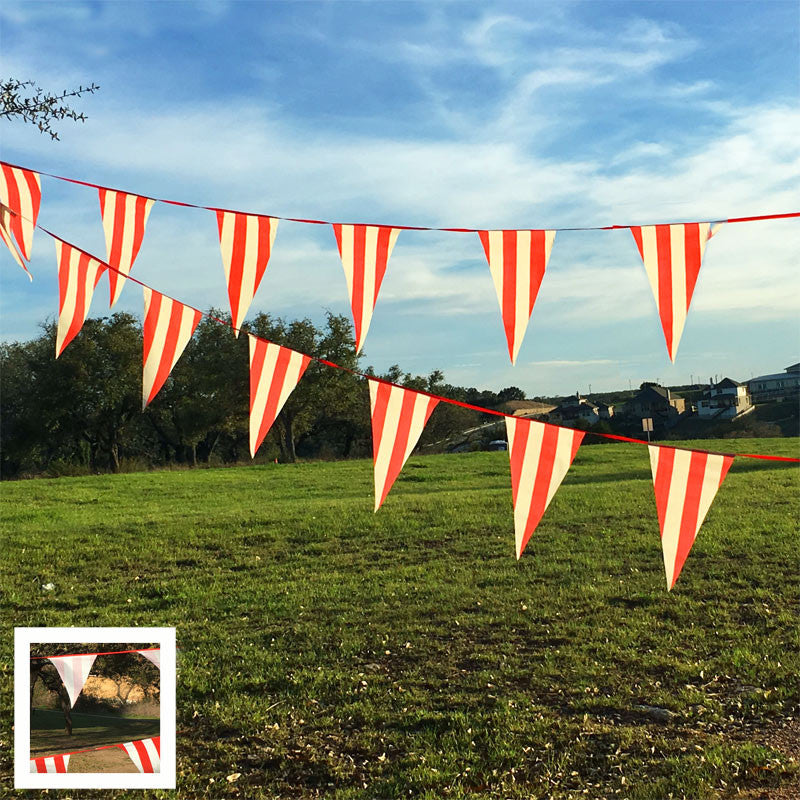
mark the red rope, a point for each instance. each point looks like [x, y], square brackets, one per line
[399, 227]
[110, 653]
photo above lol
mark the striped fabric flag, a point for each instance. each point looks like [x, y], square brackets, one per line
[73, 671]
[540, 456]
[365, 251]
[672, 255]
[517, 261]
[245, 241]
[124, 217]
[50, 764]
[152, 655]
[21, 191]
[398, 417]
[6, 216]
[274, 372]
[168, 326]
[145, 753]
[685, 483]
[78, 275]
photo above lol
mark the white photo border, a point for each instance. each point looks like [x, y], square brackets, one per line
[23, 777]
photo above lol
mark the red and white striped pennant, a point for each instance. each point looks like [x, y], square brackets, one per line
[73, 671]
[124, 218]
[398, 418]
[685, 483]
[517, 261]
[365, 251]
[540, 456]
[245, 241]
[50, 764]
[274, 373]
[21, 191]
[145, 753]
[672, 255]
[78, 275]
[151, 655]
[168, 326]
[6, 215]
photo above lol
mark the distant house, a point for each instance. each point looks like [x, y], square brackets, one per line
[606, 411]
[724, 400]
[655, 402]
[776, 387]
[573, 409]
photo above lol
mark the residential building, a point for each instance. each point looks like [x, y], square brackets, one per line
[724, 400]
[778, 386]
[656, 402]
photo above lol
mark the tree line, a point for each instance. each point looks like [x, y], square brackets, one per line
[81, 413]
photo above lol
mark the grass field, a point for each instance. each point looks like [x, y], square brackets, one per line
[329, 651]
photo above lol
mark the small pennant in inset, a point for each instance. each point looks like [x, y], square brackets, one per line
[145, 753]
[151, 655]
[78, 275]
[124, 218]
[540, 456]
[398, 418]
[365, 251]
[21, 191]
[6, 215]
[245, 241]
[517, 261]
[685, 484]
[168, 326]
[672, 255]
[274, 373]
[73, 671]
[50, 764]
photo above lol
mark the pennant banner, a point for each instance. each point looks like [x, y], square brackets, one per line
[78, 275]
[145, 753]
[246, 243]
[398, 418]
[73, 671]
[50, 764]
[168, 326]
[124, 217]
[517, 261]
[274, 373]
[685, 482]
[365, 251]
[21, 191]
[151, 655]
[672, 255]
[6, 215]
[540, 456]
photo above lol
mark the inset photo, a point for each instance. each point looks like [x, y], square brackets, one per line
[94, 708]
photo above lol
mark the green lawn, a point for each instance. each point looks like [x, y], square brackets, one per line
[329, 651]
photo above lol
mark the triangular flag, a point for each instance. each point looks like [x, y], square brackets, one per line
[672, 255]
[73, 671]
[540, 456]
[145, 753]
[274, 372]
[398, 417]
[365, 251]
[78, 275]
[21, 191]
[517, 261]
[151, 655]
[50, 764]
[124, 217]
[245, 241]
[6, 215]
[168, 326]
[685, 483]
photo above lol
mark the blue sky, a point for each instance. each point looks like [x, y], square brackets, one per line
[501, 115]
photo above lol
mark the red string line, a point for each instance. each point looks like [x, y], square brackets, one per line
[437, 397]
[398, 227]
[87, 750]
[110, 653]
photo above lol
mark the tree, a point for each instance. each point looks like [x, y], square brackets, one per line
[510, 393]
[40, 108]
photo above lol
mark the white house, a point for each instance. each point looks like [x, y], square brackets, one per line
[724, 400]
[777, 386]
